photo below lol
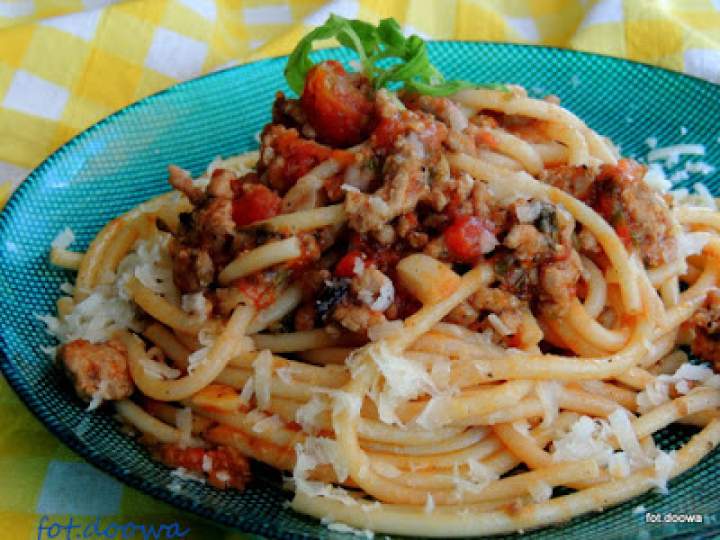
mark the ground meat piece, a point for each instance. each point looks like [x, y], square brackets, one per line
[305, 317]
[707, 347]
[221, 184]
[527, 241]
[374, 289]
[97, 369]
[575, 180]
[444, 109]
[706, 321]
[588, 244]
[193, 269]
[357, 317]
[636, 211]
[494, 299]
[290, 114]
[558, 279]
[411, 142]
[224, 466]
[181, 180]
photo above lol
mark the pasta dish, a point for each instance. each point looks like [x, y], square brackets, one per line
[444, 309]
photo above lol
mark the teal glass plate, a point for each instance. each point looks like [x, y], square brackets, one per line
[122, 161]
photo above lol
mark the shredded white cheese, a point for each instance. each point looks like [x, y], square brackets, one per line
[622, 429]
[664, 464]
[587, 439]
[63, 239]
[671, 154]
[307, 414]
[263, 378]
[540, 491]
[247, 391]
[97, 399]
[405, 379]
[207, 463]
[548, 392]
[619, 465]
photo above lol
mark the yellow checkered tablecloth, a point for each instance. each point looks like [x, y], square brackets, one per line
[64, 64]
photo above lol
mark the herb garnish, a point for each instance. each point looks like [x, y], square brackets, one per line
[372, 44]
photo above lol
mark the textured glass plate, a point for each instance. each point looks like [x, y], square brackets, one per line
[122, 161]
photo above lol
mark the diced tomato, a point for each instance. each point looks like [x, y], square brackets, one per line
[468, 237]
[299, 157]
[623, 231]
[336, 106]
[257, 203]
[346, 266]
[514, 341]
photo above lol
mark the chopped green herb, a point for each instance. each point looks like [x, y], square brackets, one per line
[372, 44]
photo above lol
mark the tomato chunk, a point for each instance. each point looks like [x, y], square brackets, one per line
[346, 266]
[298, 155]
[336, 105]
[256, 204]
[469, 237]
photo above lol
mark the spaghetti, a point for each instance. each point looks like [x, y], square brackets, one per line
[402, 299]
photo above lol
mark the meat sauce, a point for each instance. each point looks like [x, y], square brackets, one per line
[401, 196]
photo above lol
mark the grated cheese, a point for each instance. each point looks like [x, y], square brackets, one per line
[95, 319]
[655, 177]
[705, 194]
[671, 154]
[268, 423]
[679, 176]
[158, 370]
[664, 464]
[207, 463]
[622, 429]
[657, 391]
[97, 399]
[263, 378]
[548, 392]
[316, 451]
[540, 491]
[405, 379]
[183, 474]
[195, 304]
[307, 414]
[587, 439]
[247, 391]
[619, 465]
[347, 529]
[63, 239]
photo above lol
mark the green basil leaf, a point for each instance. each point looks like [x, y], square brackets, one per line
[374, 43]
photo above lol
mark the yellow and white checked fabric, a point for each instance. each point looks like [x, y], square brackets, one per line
[64, 64]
